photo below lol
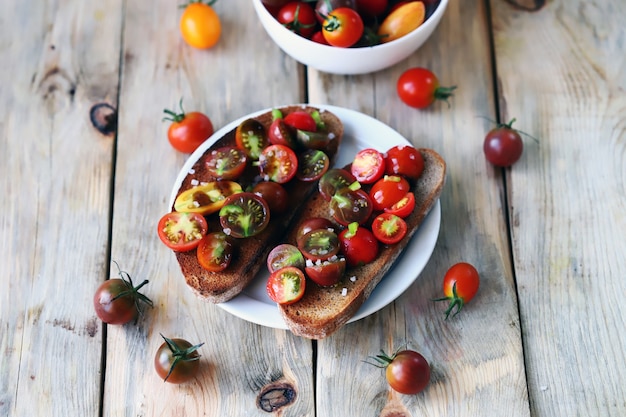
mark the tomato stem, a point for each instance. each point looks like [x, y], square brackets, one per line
[180, 354]
[444, 93]
[132, 291]
[455, 302]
[175, 117]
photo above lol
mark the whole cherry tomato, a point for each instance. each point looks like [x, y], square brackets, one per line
[177, 360]
[188, 130]
[402, 21]
[117, 300]
[387, 191]
[358, 245]
[406, 371]
[343, 27]
[404, 160]
[200, 25]
[371, 8]
[460, 285]
[299, 17]
[503, 145]
[419, 88]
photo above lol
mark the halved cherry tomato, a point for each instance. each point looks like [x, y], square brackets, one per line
[251, 137]
[388, 190]
[333, 180]
[404, 160]
[182, 232]
[284, 255]
[319, 244]
[274, 194]
[314, 140]
[226, 163]
[343, 27]
[244, 215]
[389, 228]
[278, 163]
[403, 207]
[299, 17]
[301, 120]
[358, 245]
[207, 198]
[286, 286]
[188, 130]
[215, 252]
[312, 164]
[200, 25]
[326, 273]
[368, 166]
[402, 21]
[313, 223]
[351, 204]
[279, 132]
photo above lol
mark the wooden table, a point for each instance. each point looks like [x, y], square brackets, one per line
[543, 337]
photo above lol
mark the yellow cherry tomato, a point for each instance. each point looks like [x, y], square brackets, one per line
[200, 25]
[402, 21]
[207, 198]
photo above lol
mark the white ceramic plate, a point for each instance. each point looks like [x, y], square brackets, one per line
[360, 131]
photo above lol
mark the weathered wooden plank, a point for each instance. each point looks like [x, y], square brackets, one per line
[476, 357]
[59, 59]
[562, 75]
[245, 72]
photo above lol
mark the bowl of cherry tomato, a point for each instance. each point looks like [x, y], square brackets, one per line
[349, 36]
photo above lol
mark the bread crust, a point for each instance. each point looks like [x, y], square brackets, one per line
[323, 310]
[250, 253]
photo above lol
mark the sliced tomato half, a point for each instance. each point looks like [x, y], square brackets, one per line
[207, 198]
[389, 228]
[403, 207]
[368, 166]
[286, 285]
[182, 232]
[215, 252]
[278, 163]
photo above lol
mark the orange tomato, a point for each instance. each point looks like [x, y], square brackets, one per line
[200, 25]
[402, 21]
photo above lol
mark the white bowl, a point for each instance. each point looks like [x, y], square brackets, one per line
[347, 60]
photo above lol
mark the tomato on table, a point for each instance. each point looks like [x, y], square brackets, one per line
[389, 228]
[419, 88]
[299, 17]
[368, 166]
[188, 130]
[343, 27]
[182, 232]
[278, 163]
[118, 301]
[177, 361]
[286, 285]
[503, 145]
[358, 245]
[200, 25]
[460, 285]
[388, 190]
[226, 163]
[207, 198]
[244, 215]
[406, 371]
[402, 21]
[251, 137]
[215, 252]
[404, 160]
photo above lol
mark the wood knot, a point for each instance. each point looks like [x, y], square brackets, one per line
[104, 118]
[275, 396]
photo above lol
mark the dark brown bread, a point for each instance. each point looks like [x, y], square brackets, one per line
[322, 311]
[250, 253]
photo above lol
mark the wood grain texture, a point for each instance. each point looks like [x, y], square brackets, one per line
[225, 82]
[568, 199]
[55, 220]
[479, 344]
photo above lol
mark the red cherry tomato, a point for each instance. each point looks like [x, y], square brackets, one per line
[326, 273]
[387, 191]
[313, 223]
[503, 145]
[279, 132]
[286, 285]
[278, 163]
[284, 255]
[117, 300]
[301, 120]
[343, 27]
[226, 163]
[406, 371]
[177, 361]
[403, 207]
[188, 130]
[460, 285]
[404, 160]
[419, 88]
[368, 166]
[389, 228]
[358, 245]
[182, 232]
[274, 194]
[215, 252]
[251, 137]
[299, 17]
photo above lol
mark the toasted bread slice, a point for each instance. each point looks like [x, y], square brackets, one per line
[323, 310]
[250, 253]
